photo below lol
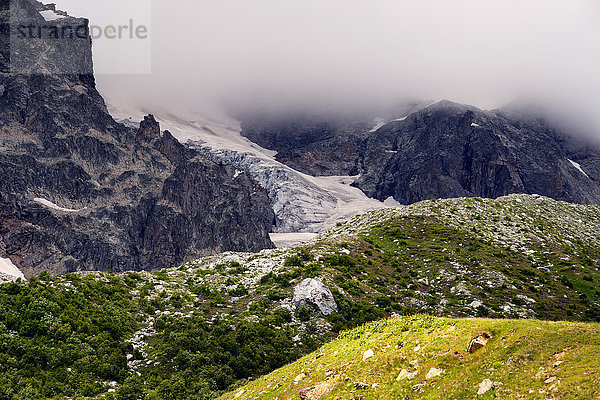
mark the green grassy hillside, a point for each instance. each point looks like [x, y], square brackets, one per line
[196, 331]
[423, 357]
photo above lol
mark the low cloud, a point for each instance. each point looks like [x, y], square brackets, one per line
[364, 51]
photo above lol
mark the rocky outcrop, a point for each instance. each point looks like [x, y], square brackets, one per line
[444, 150]
[449, 150]
[314, 294]
[79, 191]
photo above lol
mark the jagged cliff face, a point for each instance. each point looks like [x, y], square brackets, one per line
[79, 191]
[441, 151]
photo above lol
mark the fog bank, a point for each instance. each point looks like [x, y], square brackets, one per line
[360, 51]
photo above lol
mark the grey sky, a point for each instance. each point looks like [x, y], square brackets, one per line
[481, 52]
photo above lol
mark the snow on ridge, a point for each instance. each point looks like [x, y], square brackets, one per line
[8, 268]
[379, 123]
[50, 15]
[578, 166]
[53, 206]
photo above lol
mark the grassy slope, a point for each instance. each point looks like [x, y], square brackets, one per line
[532, 360]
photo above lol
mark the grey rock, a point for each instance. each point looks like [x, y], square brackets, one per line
[361, 385]
[433, 372]
[314, 294]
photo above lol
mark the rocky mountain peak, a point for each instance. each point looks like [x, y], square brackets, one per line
[149, 129]
[79, 191]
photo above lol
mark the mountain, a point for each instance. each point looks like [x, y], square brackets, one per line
[303, 204]
[79, 191]
[443, 150]
[202, 329]
[433, 358]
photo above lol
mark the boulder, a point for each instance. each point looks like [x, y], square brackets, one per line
[486, 385]
[433, 372]
[314, 294]
[402, 375]
[478, 342]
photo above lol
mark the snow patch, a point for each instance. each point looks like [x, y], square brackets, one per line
[50, 15]
[578, 166]
[49, 204]
[400, 119]
[8, 268]
[290, 240]
[474, 125]
[391, 202]
[379, 122]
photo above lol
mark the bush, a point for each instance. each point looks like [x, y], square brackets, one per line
[303, 313]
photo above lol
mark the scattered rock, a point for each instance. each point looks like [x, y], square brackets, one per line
[486, 385]
[478, 342]
[317, 392]
[313, 293]
[418, 387]
[433, 372]
[550, 380]
[402, 375]
[238, 394]
[361, 385]
[299, 378]
[412, 375]
[368, 354]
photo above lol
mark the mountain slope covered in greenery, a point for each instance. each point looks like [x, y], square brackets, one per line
[197, 331]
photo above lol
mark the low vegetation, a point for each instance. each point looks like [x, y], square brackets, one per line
[424, 357]
[200, 330]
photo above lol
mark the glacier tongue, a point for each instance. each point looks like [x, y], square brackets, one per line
[302, 203]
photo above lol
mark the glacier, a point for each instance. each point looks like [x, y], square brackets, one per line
[304, 205]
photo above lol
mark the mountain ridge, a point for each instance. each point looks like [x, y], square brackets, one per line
[442, 150]
[108, 196]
